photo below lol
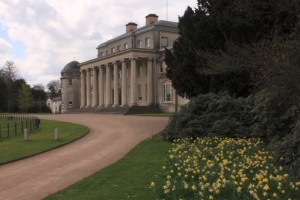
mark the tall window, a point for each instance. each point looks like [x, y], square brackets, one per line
[125, 46]
[167, 96]
[161, 67]
[70, 98]
[113, 50]
[119, 48]
[140, 92]
[139, 44]
[140, 71]
[70, 82]
[147, 43]
[102, 54]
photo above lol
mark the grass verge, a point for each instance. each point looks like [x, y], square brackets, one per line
[15, 147]
[127, 178]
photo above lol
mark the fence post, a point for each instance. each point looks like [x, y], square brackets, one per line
[55, 133]
[25, 134]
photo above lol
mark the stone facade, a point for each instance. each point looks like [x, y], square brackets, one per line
[129, 70]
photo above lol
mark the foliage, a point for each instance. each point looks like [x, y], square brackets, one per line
[54, 88]
[3, 95]
[9, 74]
[25, 99]
[222, 115]
[15, 89]
[287, 150]
[224, 168]
[40, 96]
[270, 118]
[219, 39]
[209, 115]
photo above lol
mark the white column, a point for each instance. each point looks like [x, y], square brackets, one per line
[88, 88]
[82, 77]
[95, 87]
[116, 85]
[133, 86]
[108, 88]
[101, 87]
[149, 81]
[124, 84]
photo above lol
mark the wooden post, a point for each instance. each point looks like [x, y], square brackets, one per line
[56, 134]
[25, 134]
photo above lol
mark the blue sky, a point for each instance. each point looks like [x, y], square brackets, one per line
[42, 36]
[18, 48]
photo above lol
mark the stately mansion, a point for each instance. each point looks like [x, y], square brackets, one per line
[129, 70]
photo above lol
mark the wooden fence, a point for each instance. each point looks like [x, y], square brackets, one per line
[12, 124]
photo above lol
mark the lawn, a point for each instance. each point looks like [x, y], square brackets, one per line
[128, 178]
[205, 169]
[15, 147]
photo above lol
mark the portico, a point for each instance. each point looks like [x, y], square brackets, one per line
[115, 83]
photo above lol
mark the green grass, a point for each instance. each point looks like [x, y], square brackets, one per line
[128, 178]
[15, 147]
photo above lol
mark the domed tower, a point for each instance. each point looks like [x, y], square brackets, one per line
[70, 87]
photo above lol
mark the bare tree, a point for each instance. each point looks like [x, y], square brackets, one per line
[54, 88]
[9, 72]
[39, 87]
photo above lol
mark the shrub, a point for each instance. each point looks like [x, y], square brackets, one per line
[271, 118]
[287, 150]
[220, 114]
[211, 115]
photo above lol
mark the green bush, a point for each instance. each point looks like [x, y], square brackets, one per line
[287, 150]
[220, 114]
[271, 118]
[211, 115]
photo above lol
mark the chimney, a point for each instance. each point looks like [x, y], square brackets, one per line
[151, 18]
[131, 26]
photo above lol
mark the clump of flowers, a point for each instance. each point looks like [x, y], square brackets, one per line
[224, 168]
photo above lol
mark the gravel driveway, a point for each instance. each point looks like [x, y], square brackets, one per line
[109, 139]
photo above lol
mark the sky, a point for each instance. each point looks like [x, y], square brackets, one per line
[42, 36]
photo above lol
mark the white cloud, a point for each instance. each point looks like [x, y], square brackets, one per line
[5, 47]
[55, 31]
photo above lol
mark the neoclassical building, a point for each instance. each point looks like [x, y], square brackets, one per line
[129, 70]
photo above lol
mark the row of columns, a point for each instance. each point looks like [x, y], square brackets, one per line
[98, 89]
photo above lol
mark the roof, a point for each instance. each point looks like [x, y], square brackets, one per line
[159, 25]
[71, 67]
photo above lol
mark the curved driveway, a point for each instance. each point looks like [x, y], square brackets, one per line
[109, 139]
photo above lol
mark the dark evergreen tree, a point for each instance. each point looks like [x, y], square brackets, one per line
[15, 88]
[196, 65]
[3, 95]
[40, 96]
